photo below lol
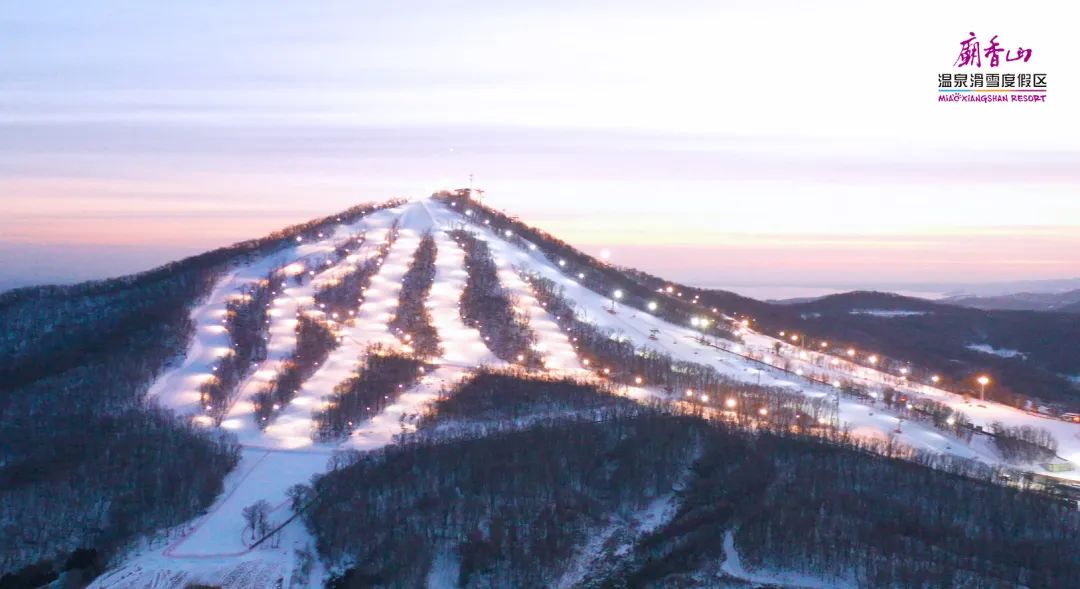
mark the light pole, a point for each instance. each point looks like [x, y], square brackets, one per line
[836, 385]
[614, 297]
[983, 381]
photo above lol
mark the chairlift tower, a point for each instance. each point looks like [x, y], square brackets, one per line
[474, 193]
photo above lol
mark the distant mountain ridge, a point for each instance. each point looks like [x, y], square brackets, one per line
[1067, 302]
[938, 336]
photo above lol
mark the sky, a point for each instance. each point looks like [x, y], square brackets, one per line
[718, 143]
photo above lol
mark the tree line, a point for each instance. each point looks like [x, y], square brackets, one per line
[247, 321]
[342, 298]
[487, 306]
[412, 321]
[380, 379]
[1024, 444]
[315, 339]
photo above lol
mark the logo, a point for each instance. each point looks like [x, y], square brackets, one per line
[965, 84]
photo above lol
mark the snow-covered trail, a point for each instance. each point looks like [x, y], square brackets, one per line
[680, 343]
[274, 470]
[291, 428]
[283, 454]
[178, 389]
[677, 341]
[463, 347]
[981, 413]
[551, 342]
[213, 548]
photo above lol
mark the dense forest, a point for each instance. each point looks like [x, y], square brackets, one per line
[490, 308]
[412, 320]
[844, 515]
[522, 504]
[509, 507]
[509, 397]
[86, 464]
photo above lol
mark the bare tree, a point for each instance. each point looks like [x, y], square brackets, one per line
[256, 515]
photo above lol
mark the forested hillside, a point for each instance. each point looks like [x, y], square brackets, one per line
[525, 482]
[85, 462]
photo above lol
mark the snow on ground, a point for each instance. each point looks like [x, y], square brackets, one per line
[680, 343]
[444, 570]
[463, 348]
[178, 388]
[291, 428]
[552, 343]
[212, 548]
[617, 538]
[733, 566]
[1002, 352]
[886, 312]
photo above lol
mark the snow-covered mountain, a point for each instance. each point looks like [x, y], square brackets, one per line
[431, 393]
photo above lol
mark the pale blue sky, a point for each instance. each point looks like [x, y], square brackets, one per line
[720, 143]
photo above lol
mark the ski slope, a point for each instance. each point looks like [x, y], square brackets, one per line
[215, 548]
[681, 342]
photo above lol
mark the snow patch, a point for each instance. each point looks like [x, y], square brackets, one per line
[444, 570]
[887, 312]
[616, 539]
[733, 566]
[1002, 352]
